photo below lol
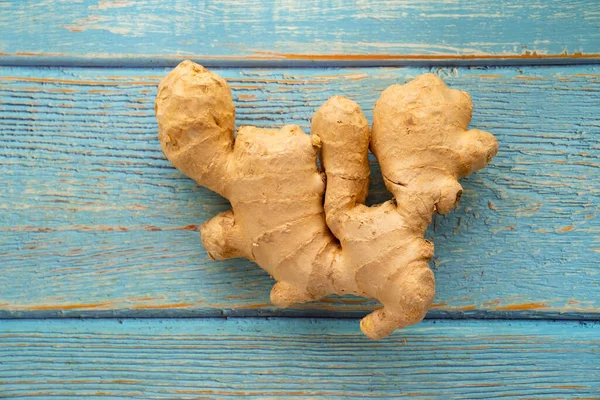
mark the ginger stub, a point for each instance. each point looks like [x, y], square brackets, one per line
[309, 228]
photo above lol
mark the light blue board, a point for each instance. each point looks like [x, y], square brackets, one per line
[96, 222]
[297, 358]
[296, 32]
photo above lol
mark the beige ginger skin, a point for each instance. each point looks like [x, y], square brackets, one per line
[310, 229]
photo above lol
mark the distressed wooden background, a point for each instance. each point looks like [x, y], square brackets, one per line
[106, 291]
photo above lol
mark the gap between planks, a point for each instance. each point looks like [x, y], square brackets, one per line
[164, 311]
[299, 60]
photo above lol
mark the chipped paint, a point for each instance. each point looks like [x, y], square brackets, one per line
[566, 228]
[521, 307]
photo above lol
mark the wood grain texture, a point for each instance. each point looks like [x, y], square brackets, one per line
[297, 358]
[292, 32]
[96, 222]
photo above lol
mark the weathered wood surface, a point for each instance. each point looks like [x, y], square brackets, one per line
[297, 358]
[93, 32]
[96, 222]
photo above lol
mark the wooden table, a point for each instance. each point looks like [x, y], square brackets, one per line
[107, 292]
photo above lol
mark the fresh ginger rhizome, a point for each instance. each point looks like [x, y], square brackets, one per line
[309, 229]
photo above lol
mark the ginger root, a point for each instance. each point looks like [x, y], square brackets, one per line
[314, 246]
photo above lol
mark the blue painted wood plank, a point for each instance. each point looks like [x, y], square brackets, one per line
[297, 358]
[215, 32]
[95, 221]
